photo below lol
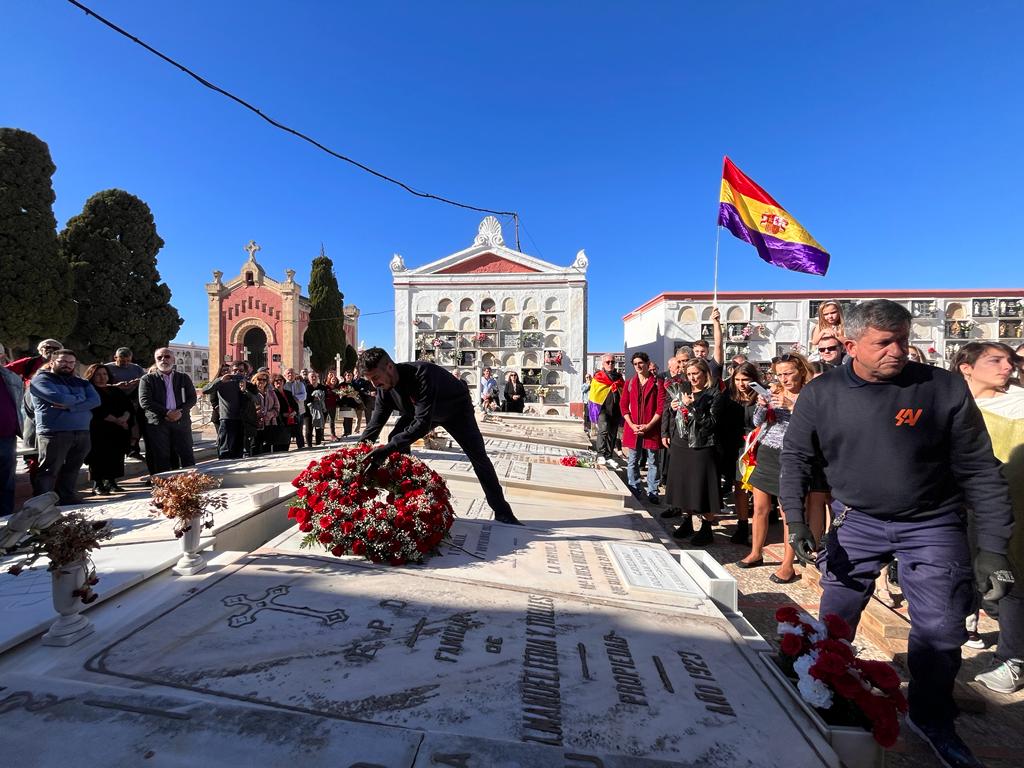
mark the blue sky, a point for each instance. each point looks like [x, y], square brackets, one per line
[890, 131]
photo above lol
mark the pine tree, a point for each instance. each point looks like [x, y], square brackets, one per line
[35, 283]
[325, 335]
[111, 247]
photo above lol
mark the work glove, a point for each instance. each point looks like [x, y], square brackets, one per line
[376, 457]
[802, 541]
[992, 575]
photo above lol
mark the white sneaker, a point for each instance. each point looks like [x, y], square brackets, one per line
[1004, 677]
[613, 464]
[976, 641]
[602, 460]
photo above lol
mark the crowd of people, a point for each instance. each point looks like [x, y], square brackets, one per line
[113, 410]
[868, 456]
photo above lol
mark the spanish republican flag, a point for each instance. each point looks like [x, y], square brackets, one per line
[601, 385]
[751, 214]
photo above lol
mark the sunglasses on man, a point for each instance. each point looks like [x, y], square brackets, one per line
[828, 349]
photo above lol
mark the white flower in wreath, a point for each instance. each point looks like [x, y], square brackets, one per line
[814, 692]
[789, 629]
[802, 666]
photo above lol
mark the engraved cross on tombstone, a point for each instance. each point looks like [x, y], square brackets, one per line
[268, 602]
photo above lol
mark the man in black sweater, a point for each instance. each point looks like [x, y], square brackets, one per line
[906, 452]
[426, 396]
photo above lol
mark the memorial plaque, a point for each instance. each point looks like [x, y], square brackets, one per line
[513, 556]
[394, 647]
[652, 568]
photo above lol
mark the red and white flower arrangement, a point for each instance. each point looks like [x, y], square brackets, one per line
[396, 513]
[576, 461]
[830, 677]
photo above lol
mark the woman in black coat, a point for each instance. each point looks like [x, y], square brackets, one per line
[689, 430]
[109, 431]
[515, 393]
[736, 423]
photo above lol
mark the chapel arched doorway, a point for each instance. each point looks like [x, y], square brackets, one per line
[254, 347]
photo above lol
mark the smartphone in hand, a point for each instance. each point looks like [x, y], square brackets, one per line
[761, 390]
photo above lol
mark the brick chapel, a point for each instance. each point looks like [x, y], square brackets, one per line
[256, 318]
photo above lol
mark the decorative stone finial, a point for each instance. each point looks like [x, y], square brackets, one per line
[251, 249]
[289, 275]
[581, 262]
[489, 232]
[217, 275]
[397, 263]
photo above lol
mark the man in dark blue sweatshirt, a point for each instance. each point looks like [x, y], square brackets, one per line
[906, 452]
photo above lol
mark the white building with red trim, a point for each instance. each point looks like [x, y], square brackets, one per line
[763, 325]
[491, 306]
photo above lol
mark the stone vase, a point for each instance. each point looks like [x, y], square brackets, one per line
[71, 626]
[191, 561]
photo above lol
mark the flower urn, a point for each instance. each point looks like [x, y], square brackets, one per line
[71, 626]
[191, 561]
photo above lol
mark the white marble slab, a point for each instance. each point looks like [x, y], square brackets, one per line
[564, 517]
[404, 648]
[589, 567]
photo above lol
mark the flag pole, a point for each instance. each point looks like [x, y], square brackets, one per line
[718, 234]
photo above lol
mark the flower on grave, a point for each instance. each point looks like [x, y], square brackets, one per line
[65, 541]
[437, 342]
[764, 307]
[932, 351]
[542, 391]
[747, 331]
[185, 498]
[396, 513]
[829, 675]
[482, 337]
[576, 461]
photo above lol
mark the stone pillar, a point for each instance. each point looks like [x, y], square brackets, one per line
[214, 293]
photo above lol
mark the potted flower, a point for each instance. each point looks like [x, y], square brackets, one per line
[184, 497]
[437, 342]
[40, 530]
[848, 698]
[765, 307]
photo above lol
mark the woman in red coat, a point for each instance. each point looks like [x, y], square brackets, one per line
[641, 404]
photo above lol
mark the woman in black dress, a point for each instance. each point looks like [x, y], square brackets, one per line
[737, 422]
[109, 432]
[515, 393]
[690, 421]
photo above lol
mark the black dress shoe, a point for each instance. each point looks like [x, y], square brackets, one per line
[685, 529]
[115, 488]
[507, 520]
[947, 746]
[741, 534]
[670, 513]
[704, 535]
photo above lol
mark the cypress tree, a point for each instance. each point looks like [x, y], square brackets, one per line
[111, 247]
[325, 335]
[35, 283]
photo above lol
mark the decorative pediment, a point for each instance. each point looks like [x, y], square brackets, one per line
[485, 263]
[488, 255]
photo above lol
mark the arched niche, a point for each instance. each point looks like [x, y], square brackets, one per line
[467, 324]
[466, 305]
[424, 304]
[736, 314]
[530, 305]
[531, 323]
[470, 378]
[687, 315]
[551, 412]
[444, 306]
[531, 360]
[553, 378]
[508, 305]
[509, 361]
[553, 341]
[552, 324]
[489, 360]
[552, 304]
[487, 305]
[513, 323]
[445, 323]
[705, 314]
[955, 311]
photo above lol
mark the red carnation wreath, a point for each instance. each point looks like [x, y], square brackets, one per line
[396, 513]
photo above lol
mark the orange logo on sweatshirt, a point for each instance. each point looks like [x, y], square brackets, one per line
[908, 417]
